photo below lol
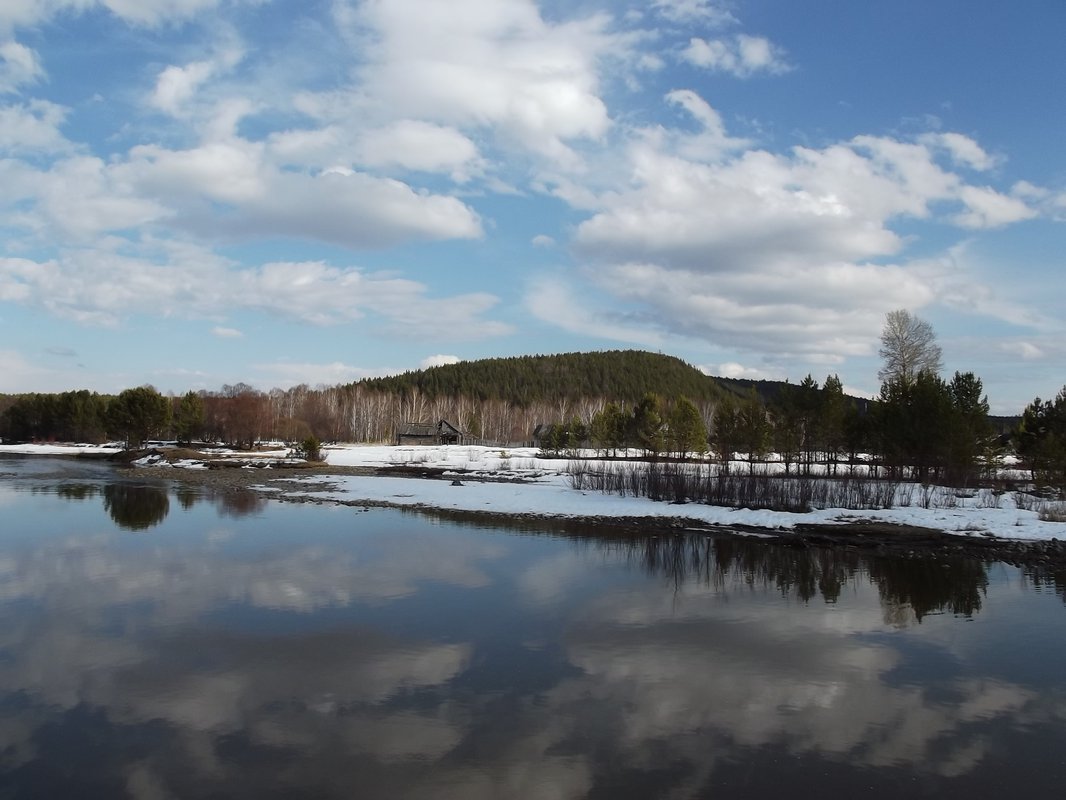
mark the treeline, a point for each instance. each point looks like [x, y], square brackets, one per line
[240, 415]
[499, 400]
[133, 416]
[921, 428]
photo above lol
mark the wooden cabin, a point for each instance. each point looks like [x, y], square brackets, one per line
[429, 433]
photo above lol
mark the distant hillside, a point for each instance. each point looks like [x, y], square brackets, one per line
[768, 391]
[622, 375]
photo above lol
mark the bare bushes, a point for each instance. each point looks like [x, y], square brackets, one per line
[701, 483]
[1047, 510]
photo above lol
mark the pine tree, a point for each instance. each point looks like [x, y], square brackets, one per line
[189, 418]
[137, 415]
[687, 431]
[753, 429]
[833, 414]
[726, 434]
[648, 424]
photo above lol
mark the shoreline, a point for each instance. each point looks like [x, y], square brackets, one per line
[299, 484]
[376, 477]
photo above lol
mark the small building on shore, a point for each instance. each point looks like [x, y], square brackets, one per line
[428, 433]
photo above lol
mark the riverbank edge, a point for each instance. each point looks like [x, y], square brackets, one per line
[290, 484]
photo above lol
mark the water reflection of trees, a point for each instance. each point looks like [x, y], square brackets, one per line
[240, 503]
[78, 491]
[1044, 577]
[923, 585]
[930, 585]
[136, 508]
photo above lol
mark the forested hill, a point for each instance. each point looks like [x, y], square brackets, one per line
[621, 375]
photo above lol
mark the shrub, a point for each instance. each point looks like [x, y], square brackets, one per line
[310, 449]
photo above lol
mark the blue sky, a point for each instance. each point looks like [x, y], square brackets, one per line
[200, 192]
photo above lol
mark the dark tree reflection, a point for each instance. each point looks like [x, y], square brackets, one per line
[907, 586]
[186, 497]
[240, 503]
[1047, 577]
[136, 508]
[78, 491]
[930, 585]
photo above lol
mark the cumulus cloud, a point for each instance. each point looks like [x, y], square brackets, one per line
[149, 13]
[792, 253]
[19, 65]
[741, 55]
[103, 287]
[176, 85]
[709, 12]
[420, 146]
[987, 208]
[962, 149]
[498, 66]
[229, 188]
[33, 127]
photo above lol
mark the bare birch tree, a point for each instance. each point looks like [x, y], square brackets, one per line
[908, 347]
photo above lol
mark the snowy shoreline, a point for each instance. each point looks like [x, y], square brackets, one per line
[517, 481]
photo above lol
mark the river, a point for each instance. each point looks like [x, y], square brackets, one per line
[160, 641]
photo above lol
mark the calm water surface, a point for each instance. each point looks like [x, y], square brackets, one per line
[157, 642]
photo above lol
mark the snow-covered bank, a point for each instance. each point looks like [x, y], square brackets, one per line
[60, 449]
[518, 481]
[546, 490]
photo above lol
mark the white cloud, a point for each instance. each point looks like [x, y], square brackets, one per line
[753, 250]
[103, 287]
[150, 13]
[710, 143]
[493, 65]
[1027, 351]
[556, 302]
[176, 85]
[420, 146]
[438, 361]
[32, 128]
[19, 65]
[224, 188]
[987, 208]
[226, 333]
[741, 55]
[709, 12]
[75, 199]
[543, 240]
[962, 149]
[731, 369]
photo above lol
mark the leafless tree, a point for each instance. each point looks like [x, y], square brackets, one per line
[908, 347]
